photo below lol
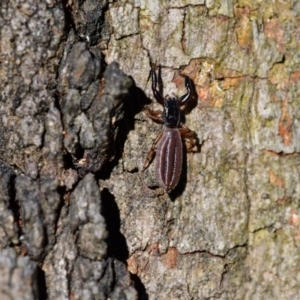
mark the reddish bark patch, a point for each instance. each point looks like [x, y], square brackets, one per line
[231, 82]
[132, 265]
[295, 77]
[274, 31]
[138, 262]
[285, 124]
[192, 69]
[169, 259]
[283, 199]
[205, 96]
[294, 219]
[276, 180]
[178, 80]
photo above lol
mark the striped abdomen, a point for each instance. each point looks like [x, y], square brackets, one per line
[169, 159]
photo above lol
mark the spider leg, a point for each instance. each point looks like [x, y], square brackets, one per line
[189, 87]
[151, 153]
[157, 95]
[189, 134]
[155, 115]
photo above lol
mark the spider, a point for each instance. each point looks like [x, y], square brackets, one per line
[168, 144]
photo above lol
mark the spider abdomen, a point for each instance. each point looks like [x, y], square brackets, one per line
[169, 159]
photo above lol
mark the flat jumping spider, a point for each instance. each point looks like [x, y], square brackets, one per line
[168, 144]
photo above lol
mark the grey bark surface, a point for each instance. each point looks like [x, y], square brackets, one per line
[78, 219]
[59, 119]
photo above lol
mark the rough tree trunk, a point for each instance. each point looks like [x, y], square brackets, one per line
[78, 219]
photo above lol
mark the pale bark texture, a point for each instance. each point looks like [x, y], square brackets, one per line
[78, 217]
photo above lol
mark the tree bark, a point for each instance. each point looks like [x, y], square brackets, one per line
[79, 220]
